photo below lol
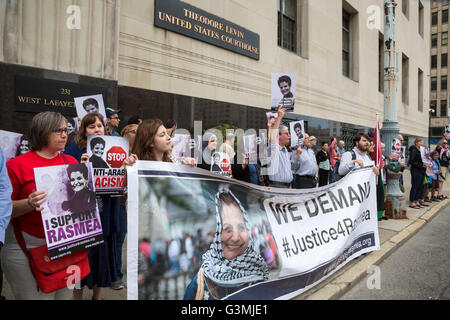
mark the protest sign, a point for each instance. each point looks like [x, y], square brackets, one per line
[283, 91]
[402, 158]
[271, 117]
[396, 149]
[297, 129]
[13, 144]
[181, 146]
[221, 164]
[87, 104]
[426, 157]
[72, 129]
[447, 131]
[289, 240]
[107, 153]
[70, 216]
[250, 147]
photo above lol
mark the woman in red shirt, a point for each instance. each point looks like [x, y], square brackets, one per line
[47, 137]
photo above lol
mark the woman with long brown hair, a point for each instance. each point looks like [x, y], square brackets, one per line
[153, 143]
[104, 267]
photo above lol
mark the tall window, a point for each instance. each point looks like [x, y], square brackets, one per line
[434, 62]
[443, 108]
[434, 40]
[405, 8]
[345, 43]
[350, 40]
[444, 38]
[445, 16]
[287, 24]
[434, 18]
[421, 19]
[443, 60]
[433, 84]
[443, 83]
[433, 107]
[405, 79]
[420, 91]
[380, 63]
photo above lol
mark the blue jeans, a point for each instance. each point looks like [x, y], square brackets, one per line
[332, 179]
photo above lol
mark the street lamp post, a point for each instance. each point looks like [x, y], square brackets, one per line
[395, 203]
[430, 112]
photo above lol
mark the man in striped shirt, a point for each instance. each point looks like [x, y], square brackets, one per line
[279, 166]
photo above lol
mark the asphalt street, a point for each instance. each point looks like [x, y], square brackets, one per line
[418, 270]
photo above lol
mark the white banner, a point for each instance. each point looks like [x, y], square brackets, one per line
[286, 240]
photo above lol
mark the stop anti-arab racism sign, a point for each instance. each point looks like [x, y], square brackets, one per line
[107, 153]
[213, 237]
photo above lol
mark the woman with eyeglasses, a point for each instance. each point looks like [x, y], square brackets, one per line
[104, 267]
[47, 137]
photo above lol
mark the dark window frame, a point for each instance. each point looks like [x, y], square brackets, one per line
[287, 27]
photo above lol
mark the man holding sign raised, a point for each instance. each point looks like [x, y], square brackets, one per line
[279, 167]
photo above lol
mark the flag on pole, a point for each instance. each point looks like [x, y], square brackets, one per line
[377, 156]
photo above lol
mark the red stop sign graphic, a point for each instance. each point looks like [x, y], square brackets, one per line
[225, 165]
[115, 157]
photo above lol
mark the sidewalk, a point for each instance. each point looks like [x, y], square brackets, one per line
[392, 233]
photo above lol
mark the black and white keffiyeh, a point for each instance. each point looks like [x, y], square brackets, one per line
[247, 268]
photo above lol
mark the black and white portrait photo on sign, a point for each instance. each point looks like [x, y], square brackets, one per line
[72, 129]
[88, 104]
[283, 91]
[297, 129]
[271, 117]
[107, 153]
[447, 131]
[396, 149]
[70, 216]
[13, 144]
[221, 164]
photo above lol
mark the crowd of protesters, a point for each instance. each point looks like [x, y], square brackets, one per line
[301, 167]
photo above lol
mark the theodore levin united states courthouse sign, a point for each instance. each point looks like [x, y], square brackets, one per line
[177, 16]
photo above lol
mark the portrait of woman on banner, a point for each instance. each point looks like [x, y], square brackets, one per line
[83, 198]
[232, 261]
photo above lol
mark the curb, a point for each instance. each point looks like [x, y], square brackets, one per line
[344, 282]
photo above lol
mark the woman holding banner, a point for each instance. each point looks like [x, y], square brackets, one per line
[232, 263]
[104, 267]
[47, 137]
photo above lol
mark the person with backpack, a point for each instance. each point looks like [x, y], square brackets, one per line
[358, 157]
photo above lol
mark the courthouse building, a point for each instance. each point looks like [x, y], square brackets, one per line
[212, 61]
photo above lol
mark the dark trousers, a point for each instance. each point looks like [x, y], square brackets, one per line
[323, 177]
[305, 182]
[1, 278]
[120, 238]
[417, 179]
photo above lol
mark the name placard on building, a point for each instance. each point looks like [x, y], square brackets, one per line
[193, 22]
[39, 95]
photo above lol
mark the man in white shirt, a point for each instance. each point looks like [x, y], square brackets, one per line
[358, 157]
[279, 167]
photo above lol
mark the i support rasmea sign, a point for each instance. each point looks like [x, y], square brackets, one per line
[177, 16]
